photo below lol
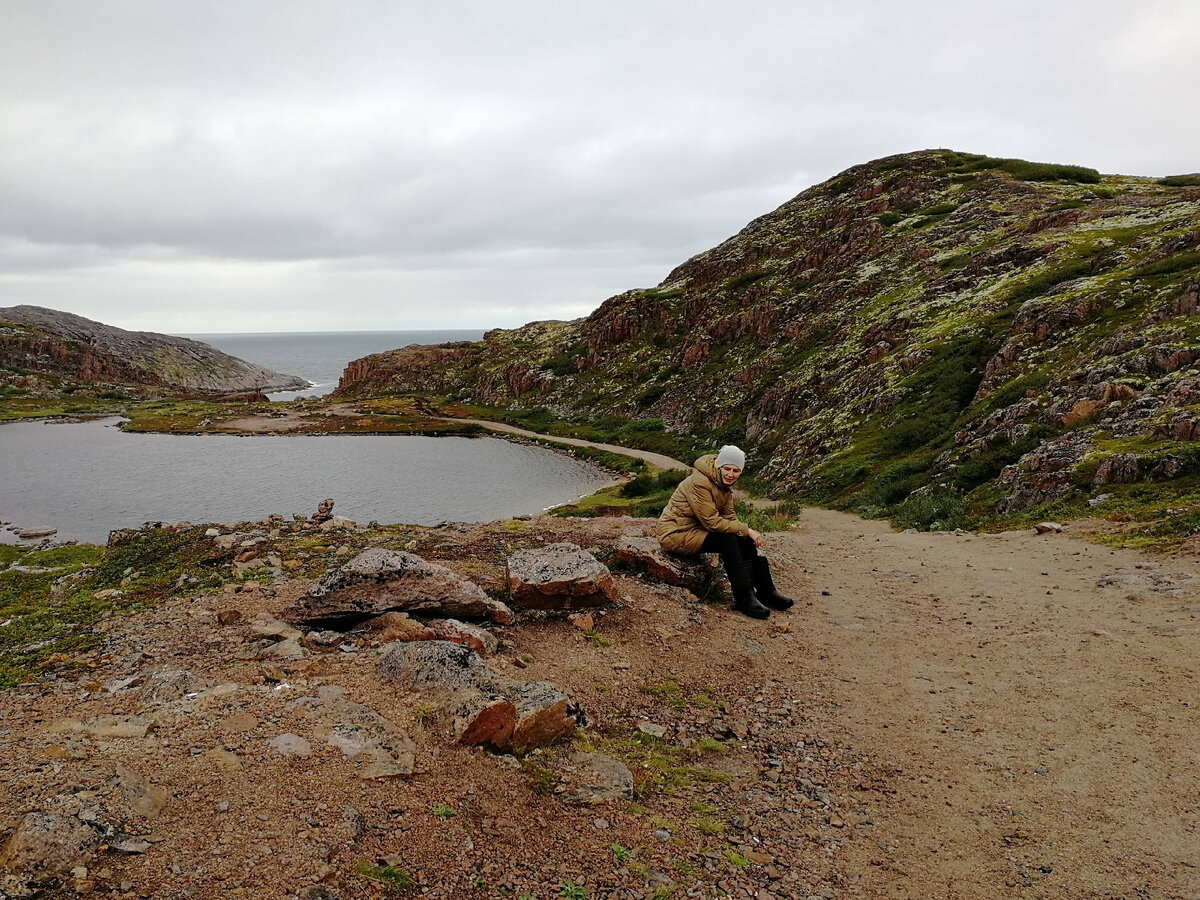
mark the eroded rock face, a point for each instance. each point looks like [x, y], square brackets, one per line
[379, 581]
[558, 576]
[488, 708]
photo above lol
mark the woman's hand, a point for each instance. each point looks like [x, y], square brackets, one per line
[756, 537]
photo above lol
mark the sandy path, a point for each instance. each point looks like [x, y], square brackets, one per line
[1043, 727]
[290, 420]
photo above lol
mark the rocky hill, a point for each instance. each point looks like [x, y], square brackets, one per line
[930, 333]
[47, 341]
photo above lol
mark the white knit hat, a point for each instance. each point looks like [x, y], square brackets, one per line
[730, 455]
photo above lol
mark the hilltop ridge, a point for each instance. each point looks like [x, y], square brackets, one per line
[39, 340]
[928, 335]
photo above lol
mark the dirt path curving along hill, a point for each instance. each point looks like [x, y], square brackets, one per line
[655, 459]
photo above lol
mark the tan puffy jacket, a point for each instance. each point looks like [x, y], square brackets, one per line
[699, 505]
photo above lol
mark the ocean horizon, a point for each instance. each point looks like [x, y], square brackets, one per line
[320, 357]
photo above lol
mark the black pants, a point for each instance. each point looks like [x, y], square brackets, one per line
[735, 552]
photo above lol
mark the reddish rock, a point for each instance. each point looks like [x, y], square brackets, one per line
[1120, 468]
[482, 642]
[488, 708]
[643, 554]
[397, 626]
[48, 842]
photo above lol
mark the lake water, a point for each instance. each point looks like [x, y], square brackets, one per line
[320, 356]
[87, 479]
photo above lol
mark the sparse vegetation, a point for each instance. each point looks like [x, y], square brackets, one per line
[1192, 180]
[395, 879]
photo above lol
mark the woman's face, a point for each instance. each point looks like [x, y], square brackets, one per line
[729, 474]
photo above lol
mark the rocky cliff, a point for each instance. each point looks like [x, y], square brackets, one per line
[34, 339]
[930, 324]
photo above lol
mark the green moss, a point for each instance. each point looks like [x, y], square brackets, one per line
[1172, 265]
[744, 280]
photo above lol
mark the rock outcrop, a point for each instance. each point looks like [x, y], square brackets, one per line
[558, 576]
[46, 340]
[379, 581]
[644, 555]
[487, 708]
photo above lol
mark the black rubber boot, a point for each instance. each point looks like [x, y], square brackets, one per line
[764, 586]
[744, 601]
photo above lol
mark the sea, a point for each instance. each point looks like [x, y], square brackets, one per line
[320, 356]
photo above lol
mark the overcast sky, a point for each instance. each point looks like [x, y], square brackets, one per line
[208, 166]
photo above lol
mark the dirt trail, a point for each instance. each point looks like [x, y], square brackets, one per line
[656, 459]
[287, 420]
[1036, 695]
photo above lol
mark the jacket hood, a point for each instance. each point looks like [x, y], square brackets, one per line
[706, 466]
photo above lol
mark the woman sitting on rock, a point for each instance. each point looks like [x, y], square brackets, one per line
[699, 518]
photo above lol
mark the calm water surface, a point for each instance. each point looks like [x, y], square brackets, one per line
[87, 479]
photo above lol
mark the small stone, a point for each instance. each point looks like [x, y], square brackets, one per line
[290, 745]
[652, 729]
[30, 533]
[224, 760]
[237, 723]
[582, 621]
[1048, 528]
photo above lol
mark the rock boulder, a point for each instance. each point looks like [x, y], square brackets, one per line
[643, 554]
[379, 581]
[488, 708]
[558, 576]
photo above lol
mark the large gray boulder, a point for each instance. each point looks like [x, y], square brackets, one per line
[487, 708]
[558, 576]
[379, 581]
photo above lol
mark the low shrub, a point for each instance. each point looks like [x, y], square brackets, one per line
[1169, 266]
[932, 506]
[737, 282]
[1192, 180]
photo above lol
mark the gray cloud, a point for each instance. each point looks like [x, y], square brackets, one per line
[232, 166]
